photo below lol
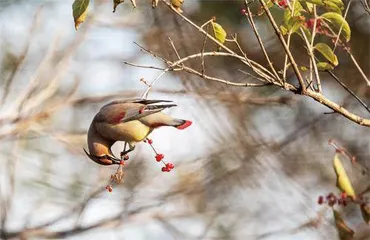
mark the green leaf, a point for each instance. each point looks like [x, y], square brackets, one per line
[296, 25]
[343, 182]
[309, 6]
[339, 3]
[283, 30]
[344, 232]
[307, 33]
[317, 2]
[304, 68]
[338, 21]
[326, 51]
[116, 3]
[297, 12]
[220, 33]
[322, 66]
[333, 7]
[79, 8]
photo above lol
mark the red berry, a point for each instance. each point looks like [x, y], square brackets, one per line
[150, 141]
[320, 200]
[170, 166]
[330, 195]
[109, 188]
[332, 201]
[126, 157]
[121, 162]
[164, 169]
[283, 3]
[343, 195]
[159, 157]
[243, 11]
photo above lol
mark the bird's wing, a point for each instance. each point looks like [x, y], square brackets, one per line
[135, 100]
[124, 112]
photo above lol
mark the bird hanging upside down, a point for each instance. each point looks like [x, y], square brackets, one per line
[130, 121]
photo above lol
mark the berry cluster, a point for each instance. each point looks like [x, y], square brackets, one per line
[341, 200]
[319, 28]
[311, 22]
[159, 157]
[331, 199]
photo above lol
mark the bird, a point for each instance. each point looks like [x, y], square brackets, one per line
[128, 120]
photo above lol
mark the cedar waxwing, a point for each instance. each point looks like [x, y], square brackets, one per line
[130, 121]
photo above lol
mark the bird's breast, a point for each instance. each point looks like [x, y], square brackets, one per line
[132, 131]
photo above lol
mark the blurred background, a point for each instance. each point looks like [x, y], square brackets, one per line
[251, 166]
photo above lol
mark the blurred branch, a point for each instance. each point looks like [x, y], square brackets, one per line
[21, 58]
[366, 5]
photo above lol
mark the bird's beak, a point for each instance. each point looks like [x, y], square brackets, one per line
[104, 160]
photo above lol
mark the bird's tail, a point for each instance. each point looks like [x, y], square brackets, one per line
[180, 124]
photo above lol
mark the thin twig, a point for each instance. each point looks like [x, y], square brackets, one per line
[341, 27]
[174, 48]
[311, 49]
[348, 90]
[143, 66]
[249, 15]
[262, 71]
[202, 51]
[286, 49]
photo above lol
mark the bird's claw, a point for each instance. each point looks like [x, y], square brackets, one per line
[125, 152]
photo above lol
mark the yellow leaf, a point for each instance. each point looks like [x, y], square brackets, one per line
[220, 33]
[79, 8]
[177, 4]
[322, 66]
[345, 233]
[343, 182]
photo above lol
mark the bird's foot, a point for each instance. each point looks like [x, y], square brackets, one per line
[124, 153]
[125, 156]
[113, 159]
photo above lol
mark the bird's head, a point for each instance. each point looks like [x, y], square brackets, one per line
[103, 160]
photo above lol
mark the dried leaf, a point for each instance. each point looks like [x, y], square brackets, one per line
[345, 233]
[116, 3]
[79, 8]
[343, 182]
[154, 3]
[365, 210]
